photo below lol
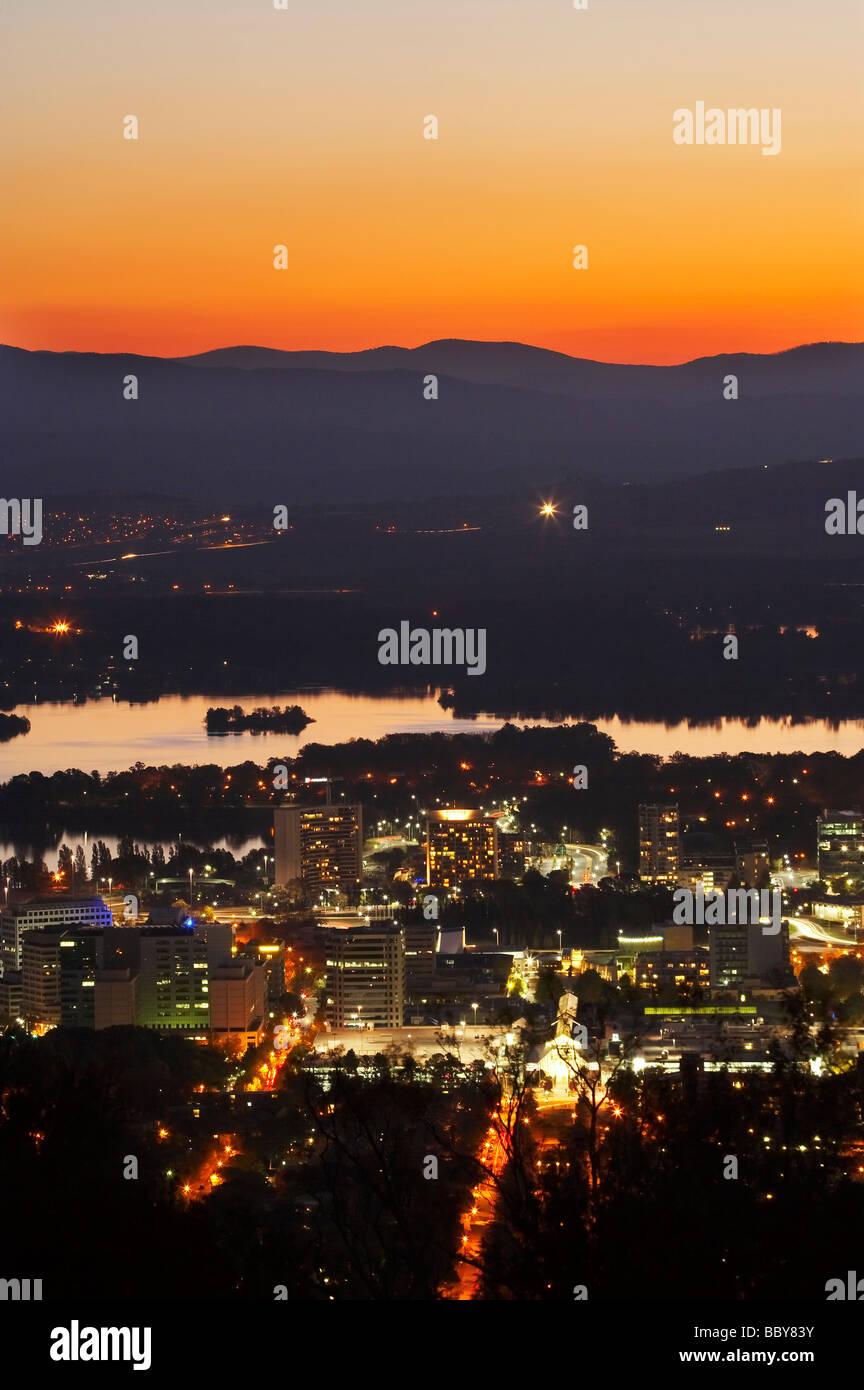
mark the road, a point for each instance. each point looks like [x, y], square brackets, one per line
[493, 1156]
[589, 863]
[807, 930]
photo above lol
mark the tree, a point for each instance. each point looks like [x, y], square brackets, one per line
[66, 865]
[80, 867]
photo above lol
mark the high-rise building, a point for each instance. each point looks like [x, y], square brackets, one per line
[741, 951]
[237, 1000]
[115, 1003]
[659, 847]
[366, 977]
[40, 976]
[460, 845]
[840, 843]
[322, 845]
[10, 997]
[52, 914]
[421, 938]
[80, 957]
[174, 965]
[58, 974]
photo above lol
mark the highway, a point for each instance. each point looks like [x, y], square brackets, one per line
[807, 930]
[589, 863]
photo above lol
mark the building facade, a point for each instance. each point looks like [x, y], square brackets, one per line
[743, 951]
[840, 844]
[366, 977]
[321, 845]
[659, 843]
[51, 914]
[460, 845]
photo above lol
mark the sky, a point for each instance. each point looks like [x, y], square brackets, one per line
[304, 127]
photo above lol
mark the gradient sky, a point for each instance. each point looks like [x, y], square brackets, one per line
[304, 127]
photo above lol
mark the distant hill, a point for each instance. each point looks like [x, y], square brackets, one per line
[834, 368]
[312, 426]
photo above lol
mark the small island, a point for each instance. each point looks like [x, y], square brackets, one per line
[290, 720]
[11, 725]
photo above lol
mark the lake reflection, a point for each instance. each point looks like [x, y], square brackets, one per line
[105, 735]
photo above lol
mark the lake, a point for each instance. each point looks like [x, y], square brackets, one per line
[107, 735]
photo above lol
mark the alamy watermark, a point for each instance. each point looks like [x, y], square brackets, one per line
[21, 517]
[744, 905]
[442, 646]
[736, 126]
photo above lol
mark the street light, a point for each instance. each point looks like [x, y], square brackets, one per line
[475, 1008]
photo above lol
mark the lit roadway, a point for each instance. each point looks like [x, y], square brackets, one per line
[475, 1220]
[589, 863]
[806, 931]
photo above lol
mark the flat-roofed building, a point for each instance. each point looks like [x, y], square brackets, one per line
[421, 939]
[366, 977]
[51, 914]
[237, 1000]
[659, 843]
[840, 844]
[460, 845]
[10, 997]
[115, 1002]
[320, 845]
[682, 969]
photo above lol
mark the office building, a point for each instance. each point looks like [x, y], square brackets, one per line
[753, 862]
[743, 951]
[174, 966]
[365, 977]
[58, 914]
[115, 1003]
[512, 855]
[40, 977]
[421, 939]
[460, 845]
[840, 845]
[237, 1001]
[659, 843]
[11, 1003]
[680, 969]
[80, 957]
[320, 845]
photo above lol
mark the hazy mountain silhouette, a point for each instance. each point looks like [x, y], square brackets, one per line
[285, 426]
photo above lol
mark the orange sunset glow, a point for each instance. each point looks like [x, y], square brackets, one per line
[305, 128]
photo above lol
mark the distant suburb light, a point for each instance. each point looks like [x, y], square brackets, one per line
[548, 509]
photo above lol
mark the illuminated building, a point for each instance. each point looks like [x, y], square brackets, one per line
[59, 914]
[460, 845]
[237, 1000]
[365, 977]
[840, 843]
[683, 969]
[659, 853]
[743, 951]
[322, 845]
[174, 967]
[421, 938]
